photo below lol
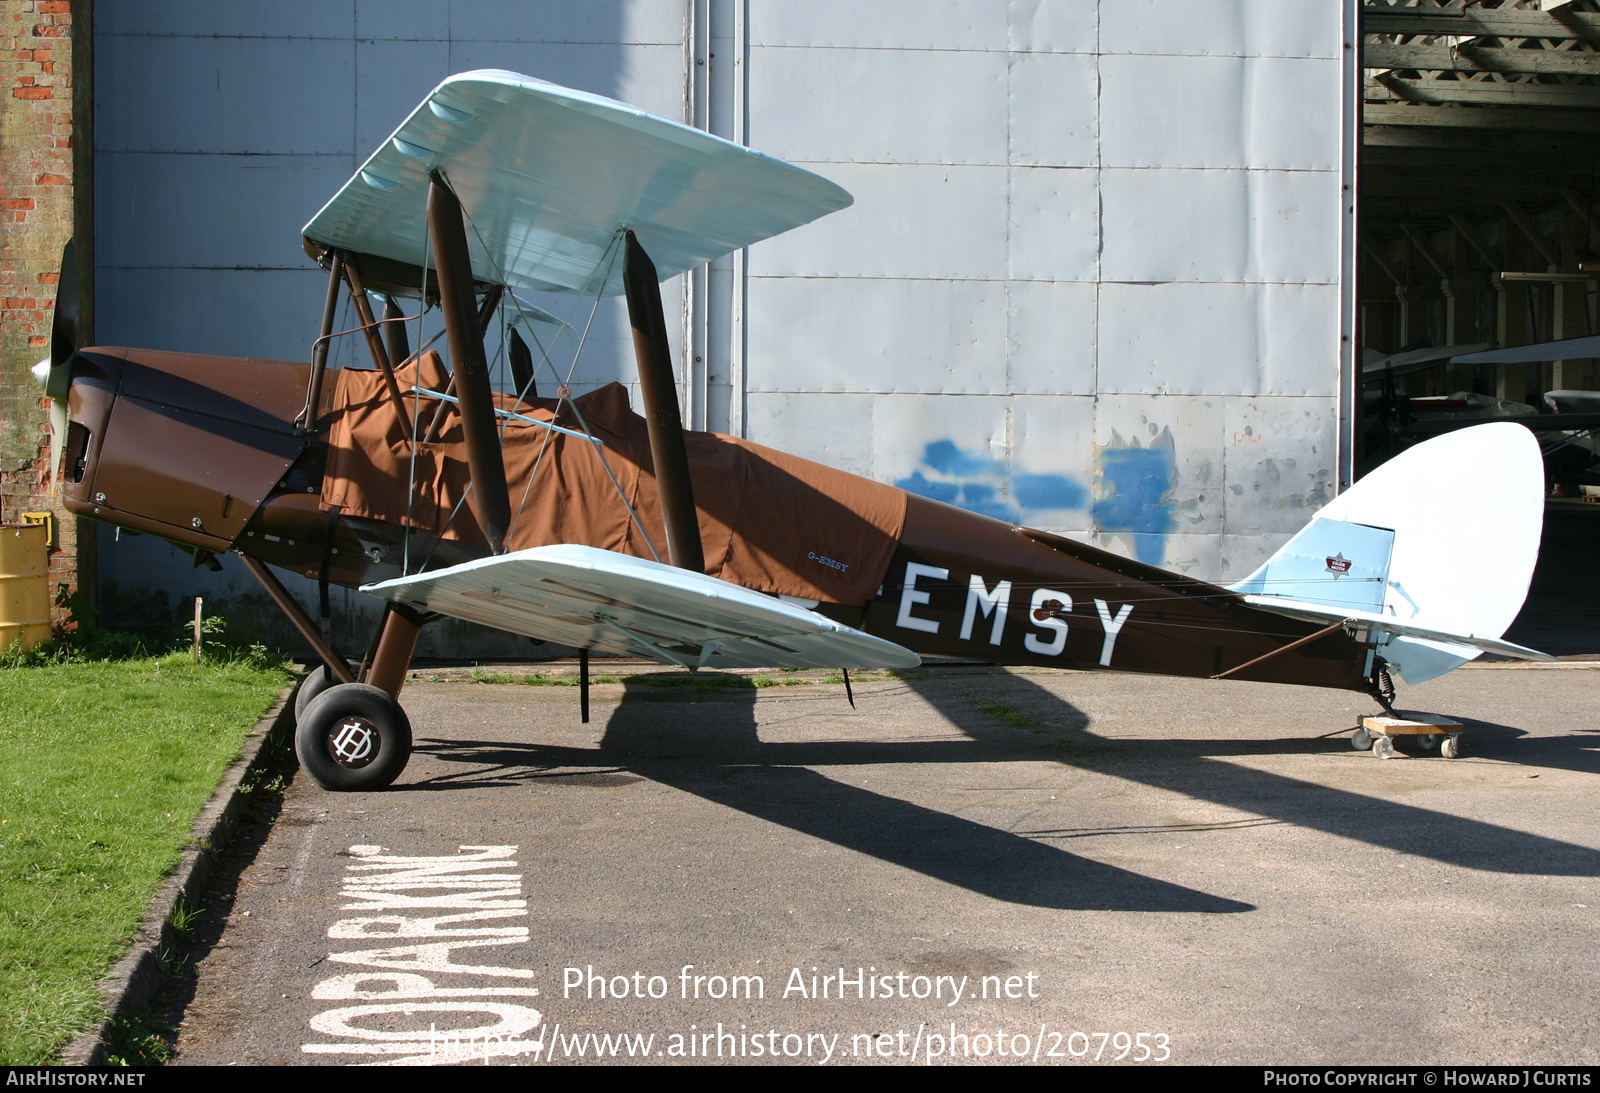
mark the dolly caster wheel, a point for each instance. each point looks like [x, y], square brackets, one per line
[1383, 747]
[1362, 740]
[353, 736]
[1449, 747]
[1429, 741]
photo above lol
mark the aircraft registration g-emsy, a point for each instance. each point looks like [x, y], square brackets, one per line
[578, 521]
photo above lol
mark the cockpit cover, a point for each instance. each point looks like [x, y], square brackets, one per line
[769, 521]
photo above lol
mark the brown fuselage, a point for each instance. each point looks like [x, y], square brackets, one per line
[203, 451]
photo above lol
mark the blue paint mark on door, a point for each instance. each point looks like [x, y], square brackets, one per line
[944, 457]
[973, 481]
[1134, 483]
[1048, 491]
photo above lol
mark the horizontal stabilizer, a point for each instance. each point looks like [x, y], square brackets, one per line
[1332, 562]
[598, 599]
[1372, 621]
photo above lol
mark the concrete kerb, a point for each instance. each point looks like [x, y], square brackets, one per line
[134, 979]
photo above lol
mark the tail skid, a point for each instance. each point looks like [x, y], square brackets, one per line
[1429, 557]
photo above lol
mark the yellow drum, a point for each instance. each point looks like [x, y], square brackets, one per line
[24, 584]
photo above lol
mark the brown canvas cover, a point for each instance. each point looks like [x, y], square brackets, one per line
[768, 521]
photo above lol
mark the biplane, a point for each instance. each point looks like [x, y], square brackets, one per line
[578, 520]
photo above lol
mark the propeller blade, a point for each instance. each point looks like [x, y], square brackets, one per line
[58, 419]
[64, 326]
[58, 440]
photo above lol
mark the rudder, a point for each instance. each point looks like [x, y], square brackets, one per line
[1443, 536]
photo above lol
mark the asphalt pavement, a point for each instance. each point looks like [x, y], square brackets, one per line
[972, 865]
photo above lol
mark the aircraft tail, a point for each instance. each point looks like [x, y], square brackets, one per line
[1439, 542]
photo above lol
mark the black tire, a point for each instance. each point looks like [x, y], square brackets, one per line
[313, 685]
[353, 736]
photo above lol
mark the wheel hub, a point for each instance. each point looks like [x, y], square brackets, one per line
[353, 742]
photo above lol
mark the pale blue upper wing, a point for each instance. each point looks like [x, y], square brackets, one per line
[548, 174]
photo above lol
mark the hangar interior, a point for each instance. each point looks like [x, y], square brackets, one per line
[1480, 232]
[1478, 190]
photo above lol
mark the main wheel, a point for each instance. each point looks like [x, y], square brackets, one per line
[313, 685]
[353, 736]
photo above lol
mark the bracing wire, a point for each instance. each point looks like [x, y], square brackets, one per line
[613, 250]
[411, 483]
[607, 260]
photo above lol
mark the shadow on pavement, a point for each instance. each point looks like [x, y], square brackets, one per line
[1194, 769]
[711, 748]
[720, 758]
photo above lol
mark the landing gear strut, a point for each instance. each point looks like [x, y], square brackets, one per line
[351, 734]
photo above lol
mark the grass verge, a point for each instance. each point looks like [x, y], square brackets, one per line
[103, 767]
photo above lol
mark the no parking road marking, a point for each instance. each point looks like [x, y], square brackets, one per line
[427, 913]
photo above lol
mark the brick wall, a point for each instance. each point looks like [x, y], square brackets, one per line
[42, 137]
